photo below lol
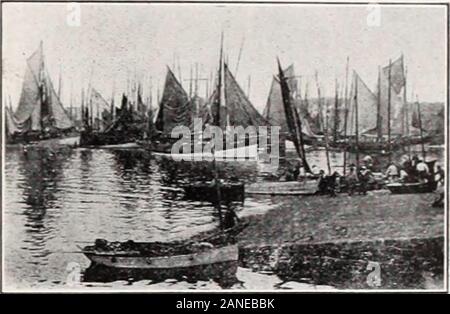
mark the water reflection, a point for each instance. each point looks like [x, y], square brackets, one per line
[55, 199]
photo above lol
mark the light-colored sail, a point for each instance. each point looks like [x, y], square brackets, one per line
[274, 110]
[397, 79]
[367, 107]
[39, 105]
[58, 113]
[28, 113]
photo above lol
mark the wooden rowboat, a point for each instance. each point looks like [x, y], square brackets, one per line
[412, 188]
[218, 263]
[304, 187]
[137, 260]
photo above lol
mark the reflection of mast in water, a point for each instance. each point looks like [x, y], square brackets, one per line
[42, 172]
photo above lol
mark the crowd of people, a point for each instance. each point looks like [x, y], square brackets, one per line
[358, 180]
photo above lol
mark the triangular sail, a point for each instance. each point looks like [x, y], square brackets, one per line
[367, 106]
[28, 112]
[10, 123]
[274, 111]
[175, 108]
[58, 114]
[39, 105]
[239, 108]
[398, 80]
[292, 119]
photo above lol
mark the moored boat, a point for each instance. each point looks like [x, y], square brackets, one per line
[412, 188]
[304, 187]
[229, 191]
[40, 118]
[160, 261]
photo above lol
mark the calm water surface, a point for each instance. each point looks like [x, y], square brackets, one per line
[56, 199]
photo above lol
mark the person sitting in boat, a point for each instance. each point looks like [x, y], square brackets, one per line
[422, 171]
[403, 176]
[392, 173]
[439, 175]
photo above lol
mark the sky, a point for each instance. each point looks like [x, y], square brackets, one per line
[113, 42]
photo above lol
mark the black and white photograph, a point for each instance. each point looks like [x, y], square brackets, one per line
[224, 147]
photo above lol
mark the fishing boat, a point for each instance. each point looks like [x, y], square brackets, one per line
[159, 261]
[412, 188]
[119, 128]
[230, 191]
[177, 109]
[243, 153]
[40, 117]
[307, 184]
[393, 127]
[415, 187]
[303, 187]
[274, 111]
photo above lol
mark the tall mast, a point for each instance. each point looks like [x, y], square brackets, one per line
[406, 114]
[346, 112]
[420, 126]
[190, 82]
[292, 119]
[216, 174]
[71, 101]
[356, 122]
[60, 82]
[196, 79]
[325, 128]
[389, 110]
[379, 129]
[336, 113]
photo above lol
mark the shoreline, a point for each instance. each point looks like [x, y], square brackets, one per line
[399, 238]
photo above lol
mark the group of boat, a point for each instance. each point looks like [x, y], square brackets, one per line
[40, 118]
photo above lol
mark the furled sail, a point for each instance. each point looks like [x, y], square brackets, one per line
[293, 121]
[175, 109]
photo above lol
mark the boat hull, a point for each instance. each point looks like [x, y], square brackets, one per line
[108, 140]
[125, 260]
[304, 187]
[246, 153]
[72, 140]
[412, 188]
[222, 272]
[208, 191]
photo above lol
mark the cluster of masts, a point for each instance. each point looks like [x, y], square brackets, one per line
[350, 119]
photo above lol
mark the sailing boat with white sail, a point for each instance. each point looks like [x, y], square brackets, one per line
[306, 185]
[176, 109]
[40, 116]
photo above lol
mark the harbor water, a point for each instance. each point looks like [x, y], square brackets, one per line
[56, 200]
